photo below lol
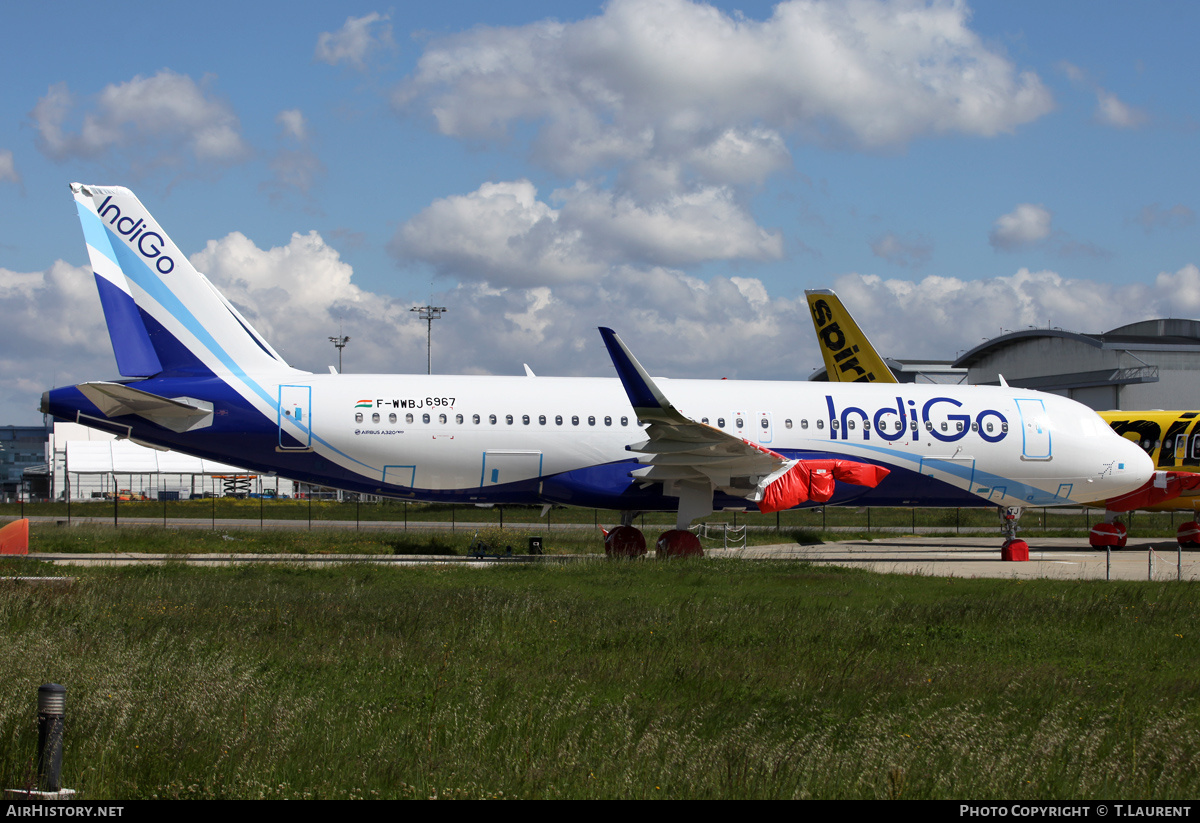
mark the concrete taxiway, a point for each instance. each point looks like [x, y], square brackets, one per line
[1060, 558]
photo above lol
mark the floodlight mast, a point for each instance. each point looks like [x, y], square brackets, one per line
[339, 343]
[429, 314]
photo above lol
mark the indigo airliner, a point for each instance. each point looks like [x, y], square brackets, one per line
[197, 377]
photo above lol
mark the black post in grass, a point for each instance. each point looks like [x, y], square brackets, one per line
[51, 711]
[310, 508]
[358, 512]
[452, 518]
[260, 507]
[868, 519]
[914, 520]
[501, 507]
[214, 504]
[116, 499]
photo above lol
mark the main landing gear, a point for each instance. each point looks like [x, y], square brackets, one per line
[627, 540]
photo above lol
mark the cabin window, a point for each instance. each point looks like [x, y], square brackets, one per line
[1003, 427]
[820, 424]
[475, 419]
[591, 420]
[739, 422]
[866, 425]
[913, 426]
[958, 426]
[541, 419]
[608, 421]
[458, 418]
[787, 424]
[974, 427]
[989, 427]
[558, 419]
[574, 420]
[945, 426]
[833, 424]
[720, 422]
[425, 417]
[392, 417]
[442, 419]
[1195, 446]
[508, 419]
[704, 420]
[492, 419]
[375, 417]
[928, 426]
[804, 423]
[358, 417]
[624, 421]
[408, 418]
[525, 419]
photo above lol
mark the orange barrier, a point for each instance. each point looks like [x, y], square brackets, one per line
[14, 538]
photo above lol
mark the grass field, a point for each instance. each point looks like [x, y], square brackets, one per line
[597, 679]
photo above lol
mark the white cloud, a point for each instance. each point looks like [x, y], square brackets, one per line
[501, 233]
[1024, 226]
[683, 80]
[54, 334]
[355, 40]
[164, 120]
[1111, 111]
[8, 168]
[293, 125]
[939, 316]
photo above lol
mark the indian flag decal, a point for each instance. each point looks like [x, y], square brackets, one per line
[363, 404]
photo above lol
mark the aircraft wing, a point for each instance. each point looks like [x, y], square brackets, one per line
[681, 452]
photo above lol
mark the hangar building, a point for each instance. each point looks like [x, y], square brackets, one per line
[1153, 364]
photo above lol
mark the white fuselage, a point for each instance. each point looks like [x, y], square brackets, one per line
[1007, 446]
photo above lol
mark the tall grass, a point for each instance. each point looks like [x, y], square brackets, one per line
[689, 679]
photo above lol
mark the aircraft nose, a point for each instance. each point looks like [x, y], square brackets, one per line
[1131, 467]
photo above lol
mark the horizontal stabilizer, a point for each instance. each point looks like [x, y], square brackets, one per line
[179, 414]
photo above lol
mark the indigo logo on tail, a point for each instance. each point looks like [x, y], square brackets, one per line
[148, 243]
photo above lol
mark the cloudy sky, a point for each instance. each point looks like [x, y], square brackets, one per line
[679, 171]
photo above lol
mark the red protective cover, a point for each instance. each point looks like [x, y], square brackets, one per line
[814, 480]
[1150, 494]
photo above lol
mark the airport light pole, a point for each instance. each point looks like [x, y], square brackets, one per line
[339, 343]
[429, 314]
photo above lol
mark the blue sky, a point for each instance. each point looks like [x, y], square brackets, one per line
[679, 171]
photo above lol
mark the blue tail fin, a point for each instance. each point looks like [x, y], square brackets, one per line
[163, 316]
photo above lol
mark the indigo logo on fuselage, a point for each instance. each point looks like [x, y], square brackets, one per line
[892, 423]
[148, 243]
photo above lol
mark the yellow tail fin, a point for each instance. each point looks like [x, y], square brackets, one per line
[849, 355]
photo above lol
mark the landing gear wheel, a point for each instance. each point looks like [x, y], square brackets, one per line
[1105, 534]
[1014, 550]
[1188, 534]
[678, 543]
[625, 541]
